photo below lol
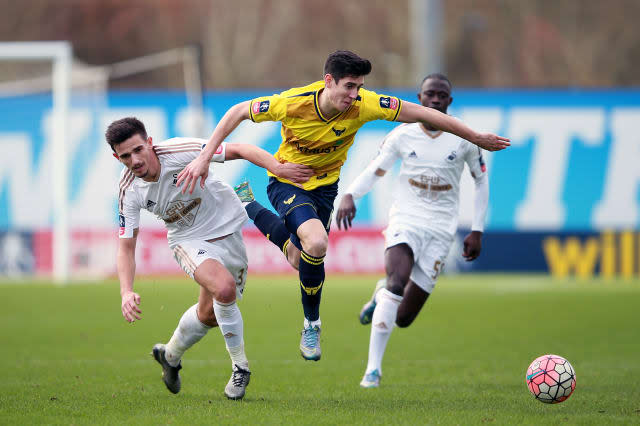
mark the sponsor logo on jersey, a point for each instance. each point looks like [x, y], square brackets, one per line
[290, 200]
[175, 179]
[338, 132]
[304, 150]
[259, 107]
[122, 224]
[183, 213]
[452, 156]
[429, 187]
[201, 252]
[150, 204]
[388, 102]
[413, 155]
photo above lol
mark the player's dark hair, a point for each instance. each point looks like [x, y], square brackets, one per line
[121, 130]
[436, 76]
[343, 63]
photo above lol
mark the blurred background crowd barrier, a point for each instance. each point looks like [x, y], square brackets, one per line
[557, 77]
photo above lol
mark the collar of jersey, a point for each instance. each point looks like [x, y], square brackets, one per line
[316, 96]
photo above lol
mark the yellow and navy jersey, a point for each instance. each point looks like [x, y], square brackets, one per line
[310, 138]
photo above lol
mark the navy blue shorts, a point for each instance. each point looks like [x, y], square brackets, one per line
[296, 205]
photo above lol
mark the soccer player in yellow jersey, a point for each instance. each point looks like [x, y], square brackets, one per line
[319, 123]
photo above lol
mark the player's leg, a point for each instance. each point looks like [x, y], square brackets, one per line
[202, 261]
[398, 265]
[231, 253]
[307, 216]
[213, 274]
[267, 222]
[413, 300]
[193, 325]
[314, 241]
[423, 278]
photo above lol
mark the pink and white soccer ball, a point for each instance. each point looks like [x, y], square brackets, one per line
[551, 379]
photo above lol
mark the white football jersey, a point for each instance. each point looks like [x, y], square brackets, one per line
[205, 214]
[428, 189]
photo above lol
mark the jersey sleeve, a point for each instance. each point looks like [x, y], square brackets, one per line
[180, 151]
[388, 153]
[220, 154]
[128, 214]
[474, 159]
[268, 108]
[378, 107]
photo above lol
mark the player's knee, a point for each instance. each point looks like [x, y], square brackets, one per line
[316, 244]
[395, 285]
[404, 321]
[226, 291]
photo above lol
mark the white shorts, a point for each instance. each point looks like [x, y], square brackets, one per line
[229, 251]
[429, 252]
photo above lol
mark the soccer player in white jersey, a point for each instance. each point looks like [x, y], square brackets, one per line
[422, 220]
[204, 233]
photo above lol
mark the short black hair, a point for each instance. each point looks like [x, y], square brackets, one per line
[121, 130]
[436, 76]
[343, 63]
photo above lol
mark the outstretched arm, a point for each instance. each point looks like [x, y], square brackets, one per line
[296, 173]
[199, 168]
[414, 113]
[126, 263]
[362, 185]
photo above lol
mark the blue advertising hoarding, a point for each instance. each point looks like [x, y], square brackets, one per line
[572, 168]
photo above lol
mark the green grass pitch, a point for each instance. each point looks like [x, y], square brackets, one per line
[68, 357]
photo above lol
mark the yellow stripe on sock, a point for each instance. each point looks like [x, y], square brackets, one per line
[311, 290]
[312, 260]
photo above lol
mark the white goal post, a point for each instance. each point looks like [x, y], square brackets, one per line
[60, 54]
[66, 76]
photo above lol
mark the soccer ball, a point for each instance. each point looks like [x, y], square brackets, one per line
[551, 379]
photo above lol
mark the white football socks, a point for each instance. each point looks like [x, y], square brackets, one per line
[190, 330]
[307, 323]
[382, 323]
[232, 328]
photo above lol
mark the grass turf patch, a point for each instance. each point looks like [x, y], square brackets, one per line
[70, 358]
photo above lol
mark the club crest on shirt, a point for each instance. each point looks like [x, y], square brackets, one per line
[452, 156]
[259, 107]
[388, 102]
